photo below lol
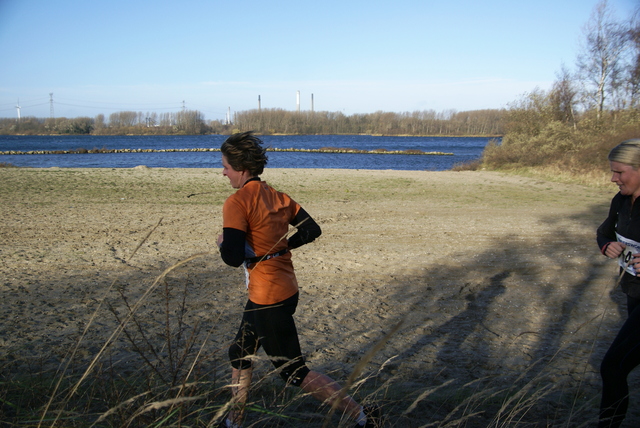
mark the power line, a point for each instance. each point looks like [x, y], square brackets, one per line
[22, 106]
[3, 105]
[104, 105]
[120, 107]
[100, 103]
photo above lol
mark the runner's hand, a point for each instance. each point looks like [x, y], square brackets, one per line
[614, 249]
[635, 262]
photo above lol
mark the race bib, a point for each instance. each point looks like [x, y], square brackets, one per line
[625, 258]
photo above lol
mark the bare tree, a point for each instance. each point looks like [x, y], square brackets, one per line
[634, 63]
[600, 63]
[123, 119]
[563, 98]
[99, 122]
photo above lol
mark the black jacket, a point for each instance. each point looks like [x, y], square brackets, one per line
[623, 218]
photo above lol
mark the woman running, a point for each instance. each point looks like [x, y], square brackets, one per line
[619, 238]
[256, 219]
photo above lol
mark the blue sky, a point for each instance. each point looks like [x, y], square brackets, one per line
[354, 56]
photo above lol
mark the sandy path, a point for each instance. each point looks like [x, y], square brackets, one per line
[496, 279]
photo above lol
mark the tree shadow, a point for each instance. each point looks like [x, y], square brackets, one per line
[530, 310]
[527, 309]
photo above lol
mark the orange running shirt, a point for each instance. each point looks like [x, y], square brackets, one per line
[264, 214]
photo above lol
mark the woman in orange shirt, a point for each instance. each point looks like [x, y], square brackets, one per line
[256, 220]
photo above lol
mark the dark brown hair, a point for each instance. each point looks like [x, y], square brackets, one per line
[244, 152]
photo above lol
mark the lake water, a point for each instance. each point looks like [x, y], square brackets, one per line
[464, 149]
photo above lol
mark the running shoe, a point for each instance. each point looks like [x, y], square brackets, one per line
[374, 417]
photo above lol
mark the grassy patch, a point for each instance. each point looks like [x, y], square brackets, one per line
[27, 185]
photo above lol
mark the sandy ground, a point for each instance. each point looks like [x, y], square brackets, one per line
[488, 285]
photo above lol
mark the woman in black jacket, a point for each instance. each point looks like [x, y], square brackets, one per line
[619, 238]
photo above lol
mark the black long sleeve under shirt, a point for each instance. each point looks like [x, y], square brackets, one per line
[232, 249]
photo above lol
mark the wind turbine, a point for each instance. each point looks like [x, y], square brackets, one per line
[18, 108]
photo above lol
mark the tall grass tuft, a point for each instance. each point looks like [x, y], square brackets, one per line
[156, 369]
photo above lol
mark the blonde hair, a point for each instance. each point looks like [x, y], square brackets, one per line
[627, 152]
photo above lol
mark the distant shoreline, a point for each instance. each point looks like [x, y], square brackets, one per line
[276, 134]
[321, 150]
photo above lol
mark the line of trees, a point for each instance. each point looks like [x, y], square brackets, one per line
[587, 111]
[271, 121]
[268, 121]
[185, 122]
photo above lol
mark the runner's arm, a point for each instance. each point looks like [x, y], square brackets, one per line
[232, 246]
[308, 229]
[606, 233]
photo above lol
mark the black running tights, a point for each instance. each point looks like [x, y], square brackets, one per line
[622, 357]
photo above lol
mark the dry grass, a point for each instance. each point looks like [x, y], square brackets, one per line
[559, 174]
[503, 301]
